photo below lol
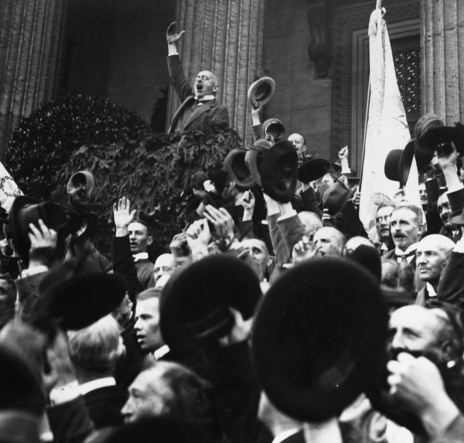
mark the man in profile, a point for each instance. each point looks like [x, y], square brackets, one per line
[198, 106]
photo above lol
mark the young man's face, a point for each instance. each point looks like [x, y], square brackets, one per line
[147, 324]
[139, 238]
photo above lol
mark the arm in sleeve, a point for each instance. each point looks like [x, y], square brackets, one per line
[178, 79]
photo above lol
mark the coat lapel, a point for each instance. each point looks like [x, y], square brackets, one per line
[198, 111]
[187, 102]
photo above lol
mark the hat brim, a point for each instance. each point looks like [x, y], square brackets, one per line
[442, 134]
[313, 169]
[334, 210]
[261, 91]
[319, 337]
[82, 300]
[279, 171]
[85, 177]
[278, 129]
[406, 159]
[239, 172]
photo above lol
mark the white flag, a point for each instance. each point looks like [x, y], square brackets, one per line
[387, 127]
[8, 189]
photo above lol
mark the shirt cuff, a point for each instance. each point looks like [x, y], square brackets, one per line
[289, 215]
[64, 394]
[33, 271]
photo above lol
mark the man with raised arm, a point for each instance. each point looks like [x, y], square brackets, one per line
[198, 105]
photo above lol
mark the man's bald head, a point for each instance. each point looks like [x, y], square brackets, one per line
[329, 242]
[299, 142]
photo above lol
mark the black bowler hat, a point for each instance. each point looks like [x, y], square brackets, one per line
[313, 169]
[274, 127]
[261, 91]
[439, 134]
[78, 294]
[26, 210]
[279, 171]
[194, 306]
[319, 338]
[237, 167]
[398, 163]
[336, 196]
[424, 150]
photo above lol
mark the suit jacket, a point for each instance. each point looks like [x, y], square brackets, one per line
[105, 404]
[190, 116]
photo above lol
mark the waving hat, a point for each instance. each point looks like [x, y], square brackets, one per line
[313, 169]
[238, 169]
[261, 91]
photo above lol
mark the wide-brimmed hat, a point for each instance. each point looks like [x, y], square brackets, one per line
[77, 294]
[319, 337]
[26, 210]
[336, 196]
[274, 127]
[424, 150]
[398, 163]
[313, 169]
[279, 171]
[433, 133]
[261, 91]
[255, 156]
[81, 184]
[194, 306]
[238, 169]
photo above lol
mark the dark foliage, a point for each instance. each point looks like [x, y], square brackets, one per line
[44, 141]
[154, 172]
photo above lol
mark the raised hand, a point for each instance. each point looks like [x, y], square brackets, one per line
[123, 216]
[171, 34]
[222, 222]
[248, 202]
[43, 244]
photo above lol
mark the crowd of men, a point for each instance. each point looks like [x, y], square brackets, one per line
[274, 316]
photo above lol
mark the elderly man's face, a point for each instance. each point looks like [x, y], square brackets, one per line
[327, 242]
[139, 238]
[415, 329]
[147, 396]
[259, 254]
[205, 84]
[431, 259]
[164, 265]
[298, 142]
[405, 228]
[382, 222]
[147, 324]
[444, 209]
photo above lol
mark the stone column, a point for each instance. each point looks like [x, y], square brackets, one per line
[31, 38]
[226, 38]
[442, 58]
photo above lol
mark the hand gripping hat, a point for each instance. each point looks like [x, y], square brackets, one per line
[319, 338]
[194, 306]
[274, 127]
[279, 171]
[261, 91]
[254, 158]
[424, 140]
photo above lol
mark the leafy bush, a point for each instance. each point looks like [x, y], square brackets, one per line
[153, 172]
[44, 141]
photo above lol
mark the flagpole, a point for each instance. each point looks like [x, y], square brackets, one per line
[379, 4]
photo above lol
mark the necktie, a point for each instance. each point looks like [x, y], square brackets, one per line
[404, 257]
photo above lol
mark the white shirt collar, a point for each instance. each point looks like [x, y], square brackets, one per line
[205, 98]
[85, 388]
[161, 352]
[430, 290]
[283, 435]
[140, 256]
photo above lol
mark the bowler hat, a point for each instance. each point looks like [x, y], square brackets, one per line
[78, 294]
[279, 171]
[26, 210]
[255, 156]
[81, 184]
[237, 167]
[313, 169]
[319, 337]
[194, 306]
[335, 198]
[274, 127]
[398, 163]
[261, 91]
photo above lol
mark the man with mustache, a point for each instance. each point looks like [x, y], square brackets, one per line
[406, 227]
[444, 210]
[199, 106]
